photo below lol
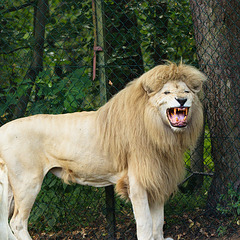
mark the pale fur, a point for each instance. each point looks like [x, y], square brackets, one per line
[128, 142]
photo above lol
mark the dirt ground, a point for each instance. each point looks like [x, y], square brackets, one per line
[199, 227]
[204, 227]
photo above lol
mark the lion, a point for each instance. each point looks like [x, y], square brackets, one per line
[136, 141]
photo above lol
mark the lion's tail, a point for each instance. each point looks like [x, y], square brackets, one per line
[122, 187]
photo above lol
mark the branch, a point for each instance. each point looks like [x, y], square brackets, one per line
[195, 173]
[14, 50]
[13, 9]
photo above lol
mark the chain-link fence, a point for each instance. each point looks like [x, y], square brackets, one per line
[65, 56]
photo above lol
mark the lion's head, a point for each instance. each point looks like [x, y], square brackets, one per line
[172, 91]
[150, 124]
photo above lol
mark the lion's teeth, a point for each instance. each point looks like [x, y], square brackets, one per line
[175, 111]
[185, 118]
[186, 111]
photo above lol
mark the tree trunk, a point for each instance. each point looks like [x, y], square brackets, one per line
[40, 19]
[216, 25]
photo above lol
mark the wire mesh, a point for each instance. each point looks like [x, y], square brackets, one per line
[49, 53]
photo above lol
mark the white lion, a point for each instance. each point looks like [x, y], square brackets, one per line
[136, 141]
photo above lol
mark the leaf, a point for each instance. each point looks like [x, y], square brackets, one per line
[52, 222]
[53, 182]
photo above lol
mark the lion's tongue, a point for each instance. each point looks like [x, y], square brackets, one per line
[178, 119]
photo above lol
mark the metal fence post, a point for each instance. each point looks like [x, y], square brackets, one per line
[110, 211]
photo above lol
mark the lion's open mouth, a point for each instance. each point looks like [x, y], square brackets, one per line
[178, 116]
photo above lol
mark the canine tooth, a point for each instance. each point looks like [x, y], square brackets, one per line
[185, 118]
[175, 111]
[186, 111]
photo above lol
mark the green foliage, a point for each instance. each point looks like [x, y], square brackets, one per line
[57, 95]
[51, 94]
[229, 206]
[181, 43]
[231, 203]
[173, 32]
[67, 50]
[60, 205]
[189, 201]
[222, 230]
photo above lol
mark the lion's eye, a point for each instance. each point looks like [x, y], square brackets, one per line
[186, 91]
[166, 92]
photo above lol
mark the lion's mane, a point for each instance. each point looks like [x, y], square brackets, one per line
[133, 133]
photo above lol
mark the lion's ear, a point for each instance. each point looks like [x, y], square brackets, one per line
[193, 77]
[196, 82]
[196, 86]
[147, 88]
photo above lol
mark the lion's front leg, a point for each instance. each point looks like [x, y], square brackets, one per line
[157, 213]
[139, 200]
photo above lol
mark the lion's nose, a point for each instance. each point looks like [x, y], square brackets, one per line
[181, 101]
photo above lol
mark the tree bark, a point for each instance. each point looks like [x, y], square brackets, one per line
[36, 66]
[216, 26]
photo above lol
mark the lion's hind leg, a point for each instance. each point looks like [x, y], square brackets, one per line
[25, 192]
